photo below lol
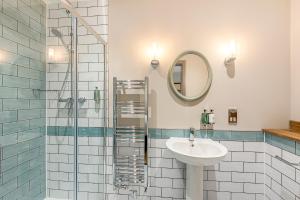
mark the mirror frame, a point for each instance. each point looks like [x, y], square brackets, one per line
[208, 83]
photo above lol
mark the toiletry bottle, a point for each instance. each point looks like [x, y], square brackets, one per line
[97, 95]
[211, 117]
[204, 118]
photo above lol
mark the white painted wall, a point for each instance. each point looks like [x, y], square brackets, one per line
[260, 88]
[295, 60]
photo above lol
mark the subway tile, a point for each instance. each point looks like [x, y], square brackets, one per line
[272, 150]
[6, 92]
[218, 195]
[243, 156]
[8, 21]
[253, 188]
[8, 69]
[231, 187]
[292, 186]
[254, 146]
[172, 173]
[8, 116]
[290, 157]
[27, 94]
[233, 145]
[243, 177]
[15, 104]
[172, 192]
[274, 174]
[29, 53]
[12, 58]
[15, 36]
[285, 169]
[270, 194]
[17, 82]
[29, 114]
[279, 189]
[8, 187]
[298, 176]
[244, 196]
[8, 45]
[231, 166]
[17, 126]
[219, 176]
[161, 182]
[254, 167]
[29, 73]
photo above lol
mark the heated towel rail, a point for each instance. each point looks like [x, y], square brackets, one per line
[130, 136]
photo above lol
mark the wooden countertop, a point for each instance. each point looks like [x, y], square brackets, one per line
[286, 133]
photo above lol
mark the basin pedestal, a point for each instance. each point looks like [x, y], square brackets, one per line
[194, 182]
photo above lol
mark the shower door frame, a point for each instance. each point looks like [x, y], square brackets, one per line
[74, 95]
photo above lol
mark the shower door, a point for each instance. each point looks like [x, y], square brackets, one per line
[90, 115]
[76, 101]
[61, 104]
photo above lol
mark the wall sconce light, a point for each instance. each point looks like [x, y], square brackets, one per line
[155, 53]
[51, 54]
[230, 54]
[57, 54]
[1, 56]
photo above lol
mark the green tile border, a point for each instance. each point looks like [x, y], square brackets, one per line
[298, 148]
[69, 131]
[154, 133]
[283, 143]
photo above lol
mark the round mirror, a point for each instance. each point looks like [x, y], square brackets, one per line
[190, 76]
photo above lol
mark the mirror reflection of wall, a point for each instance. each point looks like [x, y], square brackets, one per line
[179, 76]
[190, 75]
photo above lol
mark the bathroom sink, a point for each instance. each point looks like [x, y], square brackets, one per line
[201, 152]
[196, 154]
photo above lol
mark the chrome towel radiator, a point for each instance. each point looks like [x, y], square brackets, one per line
[130, 136]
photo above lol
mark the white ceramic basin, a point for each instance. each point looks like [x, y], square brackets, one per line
[204, 152]
[201, 152]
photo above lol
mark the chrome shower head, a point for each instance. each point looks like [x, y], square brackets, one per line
[56, 32]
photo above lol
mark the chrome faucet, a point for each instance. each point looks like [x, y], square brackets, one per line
[192, 135]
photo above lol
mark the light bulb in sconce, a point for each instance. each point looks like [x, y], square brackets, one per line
[1, 56]
[231, 51]
[155, 54]
[51, 54]
[57, 54]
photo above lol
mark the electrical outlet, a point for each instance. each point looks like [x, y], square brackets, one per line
[232, 116]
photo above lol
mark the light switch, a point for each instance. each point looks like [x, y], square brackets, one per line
[232, 116]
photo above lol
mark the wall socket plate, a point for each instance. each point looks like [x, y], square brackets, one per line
[232, 116]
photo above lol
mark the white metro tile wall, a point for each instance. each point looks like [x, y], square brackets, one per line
[282, 180]
[90, 62]
[231, 179]
[238, 179]
[60, 167]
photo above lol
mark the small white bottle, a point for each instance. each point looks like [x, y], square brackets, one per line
[211, 117]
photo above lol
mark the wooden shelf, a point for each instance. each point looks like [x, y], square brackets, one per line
[284, 133]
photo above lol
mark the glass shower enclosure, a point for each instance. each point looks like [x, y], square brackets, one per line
[52, 103]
